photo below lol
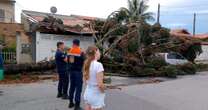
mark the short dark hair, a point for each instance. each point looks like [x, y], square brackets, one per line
[76, 42]
[59, 44]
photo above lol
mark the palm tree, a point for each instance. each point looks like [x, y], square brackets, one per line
[135, 14]
[136, 11]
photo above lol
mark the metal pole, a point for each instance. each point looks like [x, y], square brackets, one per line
[158, 14]
[194, 25]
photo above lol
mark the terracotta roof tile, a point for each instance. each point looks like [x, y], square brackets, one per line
[201, 36]
[185, 33]
[69, 21]
[84, 17]
[74, 22]
[180, 33]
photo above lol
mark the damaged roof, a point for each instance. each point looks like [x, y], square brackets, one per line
[72, 23]
[180, 33]
[185, 33]
[12, 1]
[201, 36]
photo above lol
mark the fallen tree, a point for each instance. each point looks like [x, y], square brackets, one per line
[29, 68]
[129, 52]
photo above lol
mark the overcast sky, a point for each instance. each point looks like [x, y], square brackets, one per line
[174, 13]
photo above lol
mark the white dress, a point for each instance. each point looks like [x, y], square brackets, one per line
[92, 95]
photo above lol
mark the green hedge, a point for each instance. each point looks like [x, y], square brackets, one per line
[169, 71]
[9, 49]
[188, 69]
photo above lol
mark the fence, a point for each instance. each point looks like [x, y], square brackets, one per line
[9, 57]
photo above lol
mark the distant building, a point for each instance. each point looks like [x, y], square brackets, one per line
[47, 29]
[7, 11]
[203, 57]
[201, 39]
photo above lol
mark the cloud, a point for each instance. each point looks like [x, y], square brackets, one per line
[154, 3]
[96, 8]
[203, 11]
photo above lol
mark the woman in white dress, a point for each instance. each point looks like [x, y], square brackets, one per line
[93, 76]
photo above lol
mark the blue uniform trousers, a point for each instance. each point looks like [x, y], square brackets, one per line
[76, 83]
[63, 83]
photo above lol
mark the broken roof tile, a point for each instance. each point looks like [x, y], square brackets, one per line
[75, 23]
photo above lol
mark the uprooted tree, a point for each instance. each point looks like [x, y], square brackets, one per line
[132, 42]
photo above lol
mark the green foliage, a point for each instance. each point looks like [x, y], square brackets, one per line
[169, 71]
[2, 39]
[120, 31]
[156, 62]
[16, 76]
[145, 29]
[117, 56]
[137, 10]
[147, 72]
[188, 68]
[159, 34]
[165, 35]
[9, 49]
[132, 46]
[202, 67]
[156, 27]
[192, 52]
[98, 24]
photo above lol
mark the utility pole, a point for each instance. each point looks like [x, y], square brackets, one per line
[194, 25]
[158, 14]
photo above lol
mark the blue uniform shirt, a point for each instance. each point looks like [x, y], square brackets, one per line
[77, 64]
[60, 63]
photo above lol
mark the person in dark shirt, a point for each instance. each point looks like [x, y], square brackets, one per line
[76, 60]
[1, 58]
[61, 64]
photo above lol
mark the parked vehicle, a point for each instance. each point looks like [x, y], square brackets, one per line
[173, 58]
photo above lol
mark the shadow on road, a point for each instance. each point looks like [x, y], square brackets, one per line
[1, 93]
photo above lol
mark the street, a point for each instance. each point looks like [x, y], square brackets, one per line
[187, 93]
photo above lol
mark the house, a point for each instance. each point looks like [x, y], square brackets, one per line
[47, 29]
[8, 33]
[199, 39]
[203, 58]
[7, 11]
[14, 38]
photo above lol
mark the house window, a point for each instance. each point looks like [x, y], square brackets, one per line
[2, 15]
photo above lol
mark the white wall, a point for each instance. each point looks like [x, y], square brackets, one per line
[46, 44]
[203, 58]
[23, 56]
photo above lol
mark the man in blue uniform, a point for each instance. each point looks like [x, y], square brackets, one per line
[61, 64]
[76, 60]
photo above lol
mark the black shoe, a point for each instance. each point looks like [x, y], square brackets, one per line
[71, 105]
[78, 108]
[59, 95]
[65, 97]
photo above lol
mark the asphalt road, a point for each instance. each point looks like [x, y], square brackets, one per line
[188, 93]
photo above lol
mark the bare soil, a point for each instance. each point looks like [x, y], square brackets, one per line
[22, 79]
